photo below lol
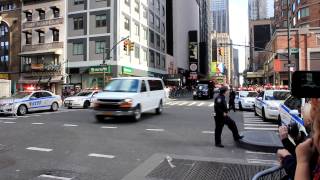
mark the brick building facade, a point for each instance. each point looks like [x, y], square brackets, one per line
[10, 28]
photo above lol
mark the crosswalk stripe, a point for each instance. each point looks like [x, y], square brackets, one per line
[270, 125]
[174, 103]
[181, 104]
[169, 103]
[200, 104]
[257, 128]
[191, 103]
[212, 104]
[256, 122]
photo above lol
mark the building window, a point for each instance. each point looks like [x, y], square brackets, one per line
[151, 56]
[41, 37]
[163, 45]
[151, 18]
[144, 12]
[145, 55]
[157, 5]
[42, 14]
[126, 23]
[101, 20]
[28, 16]
[127, 2]
[137, 6]
[158, 40]
[145, 34]
[136, 29]
[163, 11]
[56, 12]
[78, 49]
[157, 22]
[28, 38]
[55, 33]
[158, 59]
[77, 2]
[137, 51]
[100, 47]
[293, 7]
[4, 52]
[78, 23]
[151, 34]
[304, 12]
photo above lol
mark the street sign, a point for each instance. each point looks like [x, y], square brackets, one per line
[104, 65]
[294, 50]
[289, 65]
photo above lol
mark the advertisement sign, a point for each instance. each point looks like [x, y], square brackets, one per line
[213, 68]
[4, 76]
[127, 70]
[277, 65]
[99, 70]
[193, 51]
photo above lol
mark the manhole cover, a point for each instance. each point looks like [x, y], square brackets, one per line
[181, 169]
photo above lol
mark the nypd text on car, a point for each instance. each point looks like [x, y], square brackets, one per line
[28, 101]
[81, 100]
[268, 102]
[245, 99]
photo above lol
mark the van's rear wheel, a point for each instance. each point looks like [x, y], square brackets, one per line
[160, 108]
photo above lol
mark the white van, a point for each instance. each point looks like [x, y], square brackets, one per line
[130, 96]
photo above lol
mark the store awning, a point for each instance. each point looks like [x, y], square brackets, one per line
[35, 80]
[40, 52]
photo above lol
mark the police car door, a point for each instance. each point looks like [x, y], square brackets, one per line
[47, 100]
[35, 102]
[259, 102]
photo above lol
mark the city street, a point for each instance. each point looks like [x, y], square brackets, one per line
[70, 144]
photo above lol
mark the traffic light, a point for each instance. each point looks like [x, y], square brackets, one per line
[131, 46]
[125, 45]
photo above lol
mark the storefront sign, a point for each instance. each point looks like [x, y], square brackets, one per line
[4, 76]
[127, 70]
[37, 67]
[99, 70]
[46, 67]
[277, 65]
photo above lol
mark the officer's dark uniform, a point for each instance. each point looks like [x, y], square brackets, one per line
[232, 97]
[220, 107]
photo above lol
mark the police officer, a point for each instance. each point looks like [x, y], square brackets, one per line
[232, 97]
[222, 118]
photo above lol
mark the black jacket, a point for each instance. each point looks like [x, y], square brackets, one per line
[220, 105]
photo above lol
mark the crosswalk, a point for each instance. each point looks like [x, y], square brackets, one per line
[190, 103]
[252, 122]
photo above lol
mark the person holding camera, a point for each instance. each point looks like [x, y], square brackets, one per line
[287, 156]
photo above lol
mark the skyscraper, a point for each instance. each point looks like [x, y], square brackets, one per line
[220, 13]
[261, 9]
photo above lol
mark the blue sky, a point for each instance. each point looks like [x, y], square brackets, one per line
[238, 12]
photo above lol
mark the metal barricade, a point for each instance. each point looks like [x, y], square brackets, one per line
[267, 172]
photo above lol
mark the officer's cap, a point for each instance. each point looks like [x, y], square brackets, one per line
[223, 90]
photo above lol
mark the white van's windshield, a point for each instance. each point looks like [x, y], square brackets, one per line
[123, 85]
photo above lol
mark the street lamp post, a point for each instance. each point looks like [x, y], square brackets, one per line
[288, 36]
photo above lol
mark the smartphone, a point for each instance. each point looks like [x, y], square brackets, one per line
[306, 84]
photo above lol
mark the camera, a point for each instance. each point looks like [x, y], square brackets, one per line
[306, 84]
[293, 130]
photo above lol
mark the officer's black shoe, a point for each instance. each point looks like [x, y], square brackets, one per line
[239, 138]
[220, 145]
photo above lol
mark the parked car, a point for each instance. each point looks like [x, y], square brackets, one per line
[130, 96]
[290, 113]
[204, 89]
[81, 100]
[268, 102]
[245, 100]
[29, 101]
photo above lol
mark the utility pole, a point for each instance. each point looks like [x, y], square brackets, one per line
[288, 35]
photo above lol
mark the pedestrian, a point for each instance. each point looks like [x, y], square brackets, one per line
[221, 118]
[232, 97]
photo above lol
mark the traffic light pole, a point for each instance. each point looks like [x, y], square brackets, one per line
[288, 34]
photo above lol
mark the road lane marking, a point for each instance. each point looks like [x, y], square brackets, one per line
[200, 104]
[181, 104]
[262, 153]
[54, 177]
[9, 122]
[212, 104]
[101, 155]
[39, 149]
[208, 132]
[257, 128]
[8, 118]
[255, 122]
[37, 123]
[33, 115]
[109, 127]
[24, 116]
[262, 161]
[191, 103]
[169, 103]
[269, 125]
[158, 130]
[70, 125]
[174, 103]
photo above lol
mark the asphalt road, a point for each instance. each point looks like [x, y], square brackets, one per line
[70, 144]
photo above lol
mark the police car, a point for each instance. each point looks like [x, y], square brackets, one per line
[268, 102]
[245, 99]
[290, 112]
[29, 101]
[81, 100]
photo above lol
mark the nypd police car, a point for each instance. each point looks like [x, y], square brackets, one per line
[268, 102]
[290, 112]
[245, 99]
[29, 101]
[81, 100]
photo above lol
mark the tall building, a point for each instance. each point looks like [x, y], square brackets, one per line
[261, 9]
[204, 28]
[10, 34]
[42, 44]
[220, 13]
[303, 13]
[235, 68]
[95, 27]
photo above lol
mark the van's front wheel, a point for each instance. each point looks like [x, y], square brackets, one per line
[137, 113]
